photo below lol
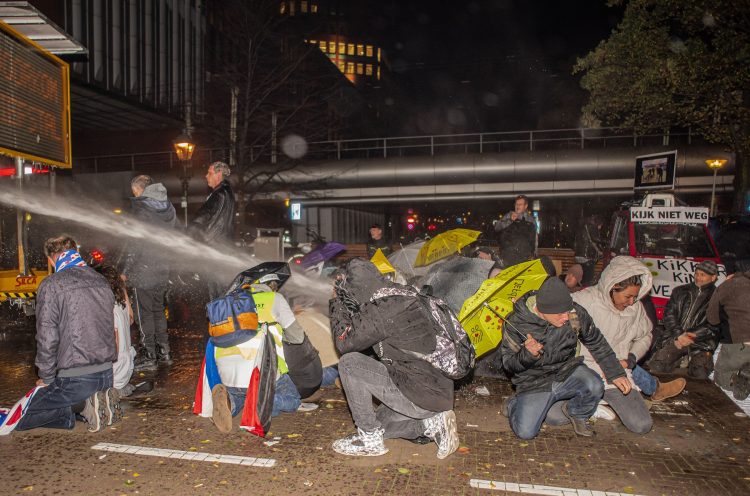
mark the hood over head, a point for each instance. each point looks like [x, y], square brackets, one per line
[619, 269]
[362, 279]
[155, 191]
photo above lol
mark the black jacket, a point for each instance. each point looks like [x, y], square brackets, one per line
[214, 221]
[75, 328]
[588, 242]
[686, 312]
[390, 326]
[144, 267]
[558, 359]
[374, 244]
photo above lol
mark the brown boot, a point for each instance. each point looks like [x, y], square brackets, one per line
[669, 389]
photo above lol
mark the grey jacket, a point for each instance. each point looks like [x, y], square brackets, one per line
[508, 220]
[75, 329]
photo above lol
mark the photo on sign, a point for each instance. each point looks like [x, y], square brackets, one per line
[656, 171]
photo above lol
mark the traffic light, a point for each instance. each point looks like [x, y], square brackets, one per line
[410, 223]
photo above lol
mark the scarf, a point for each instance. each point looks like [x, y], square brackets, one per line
[69, 258]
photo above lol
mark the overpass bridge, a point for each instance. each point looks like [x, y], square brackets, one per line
[541, 163]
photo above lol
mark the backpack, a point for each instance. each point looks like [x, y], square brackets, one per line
[454, 353]
[232, 313]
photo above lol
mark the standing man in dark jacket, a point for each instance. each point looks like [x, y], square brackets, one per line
[376, 242]
[538, 348]
[686, 327]
[416, 398]
[75, 335]
[148, 273]
[589, 247]
[214, 222]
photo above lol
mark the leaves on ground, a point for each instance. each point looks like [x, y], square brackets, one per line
[404, 471]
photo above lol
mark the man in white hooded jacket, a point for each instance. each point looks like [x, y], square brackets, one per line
[614, 304]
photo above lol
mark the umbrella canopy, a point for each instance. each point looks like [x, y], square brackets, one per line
[456, 279]
[251, 275]
[483, 314]
[382, 263]
[403, 259]
[322, 253]
[444, 245]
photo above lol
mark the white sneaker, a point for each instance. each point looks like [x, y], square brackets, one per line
[604, 412]
[95, 411]
[114, 410]
[442, 429]
[307, 407]
[361, 444]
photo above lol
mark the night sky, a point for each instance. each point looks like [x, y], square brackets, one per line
[493, 65]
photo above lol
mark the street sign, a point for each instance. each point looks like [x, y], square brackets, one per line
[296, 211]
[34, 101]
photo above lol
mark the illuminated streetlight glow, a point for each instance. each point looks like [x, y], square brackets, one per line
[715, 164]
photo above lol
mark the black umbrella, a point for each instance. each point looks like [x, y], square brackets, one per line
[249, 276]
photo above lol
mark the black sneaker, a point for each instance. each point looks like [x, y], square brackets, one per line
[165, 359]
[582, 427]
[146, 361]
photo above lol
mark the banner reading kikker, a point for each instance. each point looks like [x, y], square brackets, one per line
[669, 215]
[669, 273]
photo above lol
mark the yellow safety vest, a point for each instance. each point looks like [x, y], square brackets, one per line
[264, 306]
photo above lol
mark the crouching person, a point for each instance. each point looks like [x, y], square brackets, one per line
[75, 345]
[538, 348]
[416, 398]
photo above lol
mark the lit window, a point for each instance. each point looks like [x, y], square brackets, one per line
[350, 48]
[360, 69]
[378, 59]
[368, 50]
[342, 47]
[378, 73]
[350, 67]
[323, 45]
[342, 67]
[368, 70]
[331, 47]
[314, 8]
[313, 42]
[282, 8]
[360, 50]
[303, 6]
[291, 7]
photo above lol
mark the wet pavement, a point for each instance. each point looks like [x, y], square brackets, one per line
[700, 444]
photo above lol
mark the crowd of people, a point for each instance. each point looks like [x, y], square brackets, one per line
[572, 350]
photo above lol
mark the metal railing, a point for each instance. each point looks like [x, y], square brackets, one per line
[400, 146]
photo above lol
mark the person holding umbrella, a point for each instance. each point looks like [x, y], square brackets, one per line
[538, 350]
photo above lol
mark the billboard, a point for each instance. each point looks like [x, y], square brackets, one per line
[655, 171]
[34, 101]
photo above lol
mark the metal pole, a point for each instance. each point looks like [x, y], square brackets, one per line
[185, 186]
[713, 194]
[22, 269]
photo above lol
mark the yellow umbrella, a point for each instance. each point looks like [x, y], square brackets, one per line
[381, 262]
[483, 314]
[444, 245]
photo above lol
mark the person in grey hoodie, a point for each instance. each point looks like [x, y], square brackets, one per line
[148, 273]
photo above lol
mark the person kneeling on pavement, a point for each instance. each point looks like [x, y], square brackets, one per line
[416, 399]
[614, 304]
[686, 327]
[75, 335]
[538, 348]
[299, 369]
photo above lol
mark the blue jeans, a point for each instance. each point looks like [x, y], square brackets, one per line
[583, 388]
[330, 374]
[645, 381]
[285, 399]
[52, 406]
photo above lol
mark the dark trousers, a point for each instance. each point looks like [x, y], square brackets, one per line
[583, 389]
[668, 357]
[52, 405]
[151, 319]
[365, 378]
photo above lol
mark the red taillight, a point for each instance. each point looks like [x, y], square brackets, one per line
[298, 261]
[97, 256]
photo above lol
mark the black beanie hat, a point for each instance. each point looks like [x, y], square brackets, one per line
[554, 297]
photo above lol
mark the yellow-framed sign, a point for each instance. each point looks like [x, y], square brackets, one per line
[34, 101]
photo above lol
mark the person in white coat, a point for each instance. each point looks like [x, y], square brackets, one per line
[615, 305]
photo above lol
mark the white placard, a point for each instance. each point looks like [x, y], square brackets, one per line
[668, 273]
[296, 210]
[669, 215]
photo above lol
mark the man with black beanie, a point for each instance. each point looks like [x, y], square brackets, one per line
[538, 348]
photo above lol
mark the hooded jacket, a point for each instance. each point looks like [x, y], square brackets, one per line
[628, 331]
[686, 312]
[733, 298]
[143, 266]
[391, 326]
[214, 221]
[558, 359]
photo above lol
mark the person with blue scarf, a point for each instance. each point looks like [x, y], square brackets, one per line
[75, 345]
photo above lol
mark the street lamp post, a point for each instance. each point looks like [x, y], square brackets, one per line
[715, 164]
[184, 148]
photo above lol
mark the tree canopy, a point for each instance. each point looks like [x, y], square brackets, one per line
[677, 63]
